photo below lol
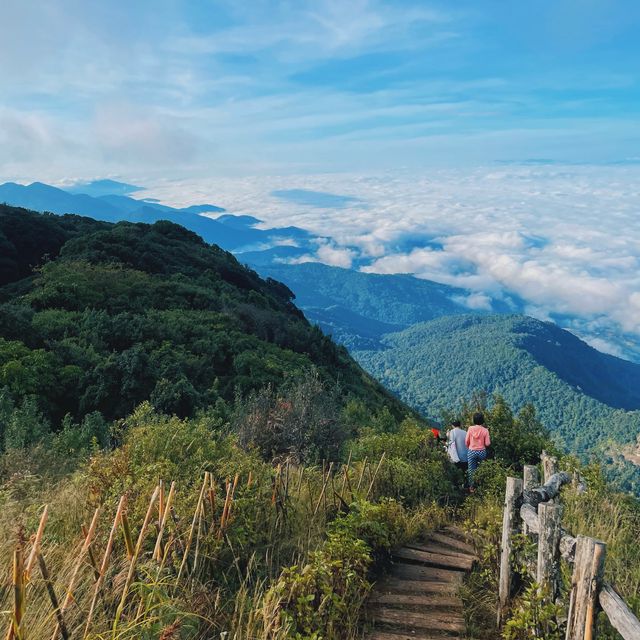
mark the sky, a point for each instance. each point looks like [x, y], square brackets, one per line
[489, 144]
[154, 88]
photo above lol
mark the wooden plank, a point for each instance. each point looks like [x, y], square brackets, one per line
[440, 601]
[457, 532]
[453, 543]
[509, 526]
[620, 616]
[398, 585]
[439, 549]
[428, 620]
[458, 563]
[408, 635]
[416, 572]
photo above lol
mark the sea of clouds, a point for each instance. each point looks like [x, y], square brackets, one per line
[564, 240]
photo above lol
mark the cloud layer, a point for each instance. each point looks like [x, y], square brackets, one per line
[563, 240]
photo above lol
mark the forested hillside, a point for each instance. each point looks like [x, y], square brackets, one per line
[585, 397]
[358, 308]
[96, 318]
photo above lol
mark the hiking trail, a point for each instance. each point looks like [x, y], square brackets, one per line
[418, 599]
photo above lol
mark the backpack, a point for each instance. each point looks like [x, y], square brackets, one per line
[452, 451]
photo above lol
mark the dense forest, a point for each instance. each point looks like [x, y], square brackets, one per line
[96, 318]
[589, 400]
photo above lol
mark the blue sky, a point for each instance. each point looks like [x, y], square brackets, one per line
[169, 88]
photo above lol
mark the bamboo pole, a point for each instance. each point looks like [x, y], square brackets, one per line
[37, 542]
[325, 481]
[134, 559]
[52, 596]
[15, 624]
[375, 475]
[105, 564]
[194, 522]
[364, 466]
[76, 570]
[126, 532]
[157, 550]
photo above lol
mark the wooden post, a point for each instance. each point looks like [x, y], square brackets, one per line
[549, 466]
[549, 516]
[531, 476]
[510, 519]
[531, 480]
[585, 587]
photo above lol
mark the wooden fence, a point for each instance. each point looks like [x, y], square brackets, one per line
[532, 508]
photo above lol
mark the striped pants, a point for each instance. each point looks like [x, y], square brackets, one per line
[475, 458]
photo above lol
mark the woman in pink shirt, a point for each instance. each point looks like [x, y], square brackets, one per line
[477, 441]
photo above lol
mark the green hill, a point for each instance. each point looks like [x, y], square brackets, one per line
[584, 396]
[96, 317]
[358, 308]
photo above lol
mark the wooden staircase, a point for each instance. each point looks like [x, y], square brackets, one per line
[419, 598]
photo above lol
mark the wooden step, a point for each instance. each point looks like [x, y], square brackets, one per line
[457, 563]
[415, 587]
[458, 533]
[429, 601]
[453, 543]
[416, 572]
[408, 635]
[426, 620]
[439, 549]
[433, 574]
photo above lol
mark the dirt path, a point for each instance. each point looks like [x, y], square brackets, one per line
[419, 598]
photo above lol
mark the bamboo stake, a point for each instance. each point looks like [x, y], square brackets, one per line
[364, 466]
[52, 596]
[37, 541]
[375, 475]
[226, 514]
[105, 564]
[345, 474]
[157, 551]
[193, 524]
[92, 558]
[76, 570]
[126, 532]
[212, 502]
[275, 485]
[324, 488]
[196, 555]
[14, 630]
[134, 559]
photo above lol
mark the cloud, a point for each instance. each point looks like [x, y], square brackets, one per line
[562, 239]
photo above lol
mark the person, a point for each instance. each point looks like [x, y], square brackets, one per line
[456, 445]
[436, 434]
[477, 441]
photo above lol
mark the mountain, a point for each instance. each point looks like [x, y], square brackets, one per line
[97, 188]
[97, 317]
[358, 308]
[230, 232]
[586, 397]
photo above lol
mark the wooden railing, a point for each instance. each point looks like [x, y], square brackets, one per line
[533, 509]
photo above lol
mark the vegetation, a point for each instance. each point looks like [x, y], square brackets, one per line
[601, 512]
[118, 314]
[590, 400]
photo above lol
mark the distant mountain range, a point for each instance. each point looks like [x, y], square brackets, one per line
[230, 232]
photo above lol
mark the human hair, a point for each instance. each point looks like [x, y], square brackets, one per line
[455, 423]
[478, 418]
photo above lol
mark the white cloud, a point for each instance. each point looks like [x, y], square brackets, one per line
[564, 239]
